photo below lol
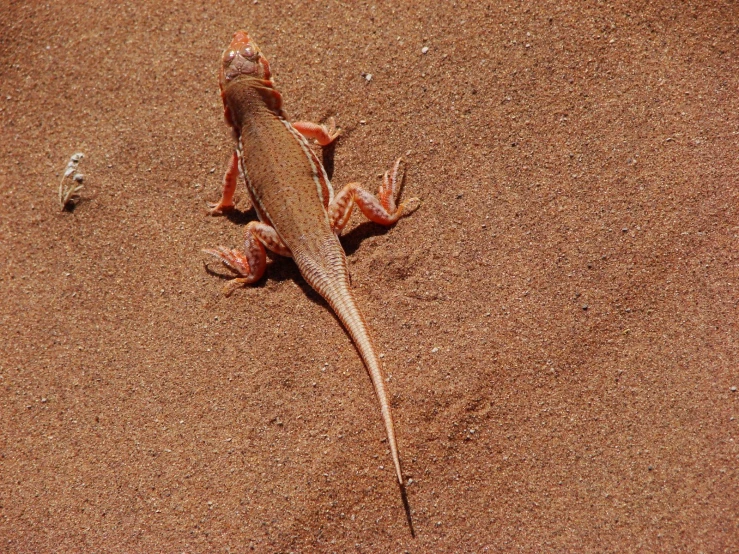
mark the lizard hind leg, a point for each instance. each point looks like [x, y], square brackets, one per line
[379, 209]
[249, 265]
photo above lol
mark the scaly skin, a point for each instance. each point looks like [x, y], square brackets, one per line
[299, 215]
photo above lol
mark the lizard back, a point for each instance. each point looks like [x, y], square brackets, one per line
[287, 183]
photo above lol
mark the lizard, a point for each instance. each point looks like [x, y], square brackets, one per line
[299, 214]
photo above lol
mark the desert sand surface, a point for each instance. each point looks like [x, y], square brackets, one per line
[558, 321]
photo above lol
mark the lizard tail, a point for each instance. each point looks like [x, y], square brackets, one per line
[345, 307]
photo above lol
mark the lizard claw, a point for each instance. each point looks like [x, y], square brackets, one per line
[331, 130]
[234, 261]
[238, 263]
[231, 259]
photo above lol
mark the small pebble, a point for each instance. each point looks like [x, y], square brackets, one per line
[78, 177]
[368, 76]
[733, 389]
[424, 49]
[434, 350]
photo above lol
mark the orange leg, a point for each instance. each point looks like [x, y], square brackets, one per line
[230, 180]
[250, 265]
[322, 134]
[380, 209]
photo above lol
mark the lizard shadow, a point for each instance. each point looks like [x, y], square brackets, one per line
[328, 151]
[352, 240]
[281, 268]
[239, 217]
[327, 159]
[78, 202]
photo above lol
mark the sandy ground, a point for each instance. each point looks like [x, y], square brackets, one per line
[558, 320]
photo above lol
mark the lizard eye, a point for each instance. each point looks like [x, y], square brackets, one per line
[248, 51]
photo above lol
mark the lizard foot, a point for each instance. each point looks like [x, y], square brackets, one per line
[322, 134]
[231, 258]
[236, 262]
[378, 209]
[249, 265]
[389, 190]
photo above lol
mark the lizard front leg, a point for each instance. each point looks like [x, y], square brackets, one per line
[250, 264]
[230, 179]
[322, 134]
[378, 209]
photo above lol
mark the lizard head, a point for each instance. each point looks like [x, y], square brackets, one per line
[244, 65]
[243, 57]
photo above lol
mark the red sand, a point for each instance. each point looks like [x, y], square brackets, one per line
[559, 318]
